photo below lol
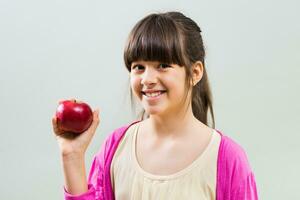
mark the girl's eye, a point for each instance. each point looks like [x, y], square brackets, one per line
[137, 67]
[164, 65]
[141, 67]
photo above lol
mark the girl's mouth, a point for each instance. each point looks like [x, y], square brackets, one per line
[153, 96]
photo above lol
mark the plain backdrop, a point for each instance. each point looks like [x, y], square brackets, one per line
[52, 50]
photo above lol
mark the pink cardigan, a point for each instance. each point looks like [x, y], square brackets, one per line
[235, 179]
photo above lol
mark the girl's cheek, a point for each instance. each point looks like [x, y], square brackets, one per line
[136, 85]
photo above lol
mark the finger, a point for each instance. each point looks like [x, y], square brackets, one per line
[56, 129]
[54, 125]
[95, 122]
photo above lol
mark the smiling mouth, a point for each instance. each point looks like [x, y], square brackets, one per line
[154, 94]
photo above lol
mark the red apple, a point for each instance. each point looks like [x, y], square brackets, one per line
[74, 116]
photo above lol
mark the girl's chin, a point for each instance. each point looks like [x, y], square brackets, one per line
[153, 111]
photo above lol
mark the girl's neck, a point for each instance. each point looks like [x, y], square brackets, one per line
[172, 126]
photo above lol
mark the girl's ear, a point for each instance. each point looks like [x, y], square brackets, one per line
[197, 72]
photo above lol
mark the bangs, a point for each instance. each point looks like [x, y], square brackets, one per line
[154, 38]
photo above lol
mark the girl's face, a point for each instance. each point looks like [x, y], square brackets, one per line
[156, 76]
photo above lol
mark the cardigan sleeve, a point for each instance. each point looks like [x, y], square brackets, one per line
[236, 179]
[247, 189]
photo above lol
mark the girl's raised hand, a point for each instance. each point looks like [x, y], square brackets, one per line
[71, 144]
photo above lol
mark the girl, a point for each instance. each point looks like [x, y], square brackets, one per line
[171, 152]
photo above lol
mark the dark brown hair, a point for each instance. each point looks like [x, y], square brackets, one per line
[172, 37]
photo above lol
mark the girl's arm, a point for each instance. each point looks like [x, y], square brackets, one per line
[93, 189]
[74, 174]
[72, 149]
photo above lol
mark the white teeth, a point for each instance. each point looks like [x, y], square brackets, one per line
[154, 94]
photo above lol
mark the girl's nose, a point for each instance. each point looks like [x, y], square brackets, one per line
[149, 77]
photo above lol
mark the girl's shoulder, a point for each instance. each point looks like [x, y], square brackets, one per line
[112, 140]
[233, 160]
[235, 177]
[232, 152]
[118, 133]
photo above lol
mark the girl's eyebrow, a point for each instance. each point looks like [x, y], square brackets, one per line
[134, 63]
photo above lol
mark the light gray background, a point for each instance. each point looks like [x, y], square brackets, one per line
[51, 50]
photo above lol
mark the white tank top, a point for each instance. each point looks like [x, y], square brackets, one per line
[131, 182]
